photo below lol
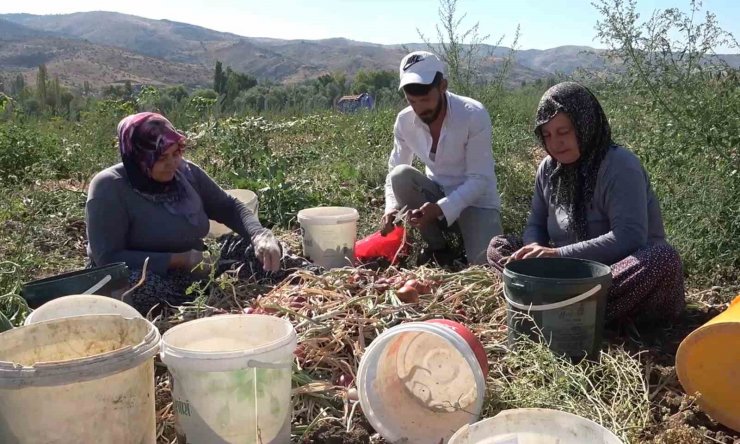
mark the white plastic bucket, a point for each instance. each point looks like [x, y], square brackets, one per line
[329, 235]
[248, 198]
[420, 382]
[78, 305]
[534, 426]
[231, 378]
[87, 379]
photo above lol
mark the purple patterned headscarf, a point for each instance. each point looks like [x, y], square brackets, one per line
[142, 139]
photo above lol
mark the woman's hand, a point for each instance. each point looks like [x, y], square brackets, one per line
[534, 250]
[194, 261]
[267, 250]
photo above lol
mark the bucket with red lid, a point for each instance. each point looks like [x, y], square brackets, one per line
[422, 381]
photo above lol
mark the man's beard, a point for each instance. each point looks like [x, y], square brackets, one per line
[431, 118]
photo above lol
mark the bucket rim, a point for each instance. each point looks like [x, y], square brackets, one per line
[74, 274]
[380, 343]
[54, 373]
[523, 411]
[173, 355]
[79, 297]
[252, 195]
[511, 274]
[306, 218]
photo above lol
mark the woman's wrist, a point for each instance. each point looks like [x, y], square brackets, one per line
[178, 260]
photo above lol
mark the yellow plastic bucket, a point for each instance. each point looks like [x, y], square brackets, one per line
[708, 366]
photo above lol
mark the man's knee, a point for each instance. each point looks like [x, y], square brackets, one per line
[402, 176]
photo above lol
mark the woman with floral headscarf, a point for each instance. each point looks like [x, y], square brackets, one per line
[157, 205]
[593, 200]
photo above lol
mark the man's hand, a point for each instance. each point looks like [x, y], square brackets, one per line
[427, 214]
[386, 222]
[534, 250]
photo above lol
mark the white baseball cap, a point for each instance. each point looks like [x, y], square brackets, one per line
[419, 67]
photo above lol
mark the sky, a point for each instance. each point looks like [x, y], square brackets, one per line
[544, 23]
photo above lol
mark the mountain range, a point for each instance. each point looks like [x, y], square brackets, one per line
[104, 48]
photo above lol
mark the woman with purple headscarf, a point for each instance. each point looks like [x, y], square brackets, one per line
[593, 200]
[157, 205]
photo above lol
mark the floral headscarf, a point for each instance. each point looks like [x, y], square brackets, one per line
[142, 139]
[573, 185]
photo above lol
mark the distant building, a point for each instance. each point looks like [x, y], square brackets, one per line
[351, 104]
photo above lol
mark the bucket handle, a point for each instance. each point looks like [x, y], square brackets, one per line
[554, 306]
[270, 365]
[99, 285]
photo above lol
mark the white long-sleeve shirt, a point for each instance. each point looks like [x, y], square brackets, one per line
[463, 165]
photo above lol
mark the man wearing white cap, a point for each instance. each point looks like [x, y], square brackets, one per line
[451, 135]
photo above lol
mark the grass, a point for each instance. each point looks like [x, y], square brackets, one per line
[336, 315]
[332, 159]
[611, 391]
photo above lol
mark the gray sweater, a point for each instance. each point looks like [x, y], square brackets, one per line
[123, 226]
[623, 217]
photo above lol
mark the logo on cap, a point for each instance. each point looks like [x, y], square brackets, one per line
[413, 60]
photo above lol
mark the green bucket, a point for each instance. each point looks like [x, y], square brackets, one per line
[561, 300]
[113, 277]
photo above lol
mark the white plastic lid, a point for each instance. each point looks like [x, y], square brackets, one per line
[229, 342]
[327, 215]
[420, 382]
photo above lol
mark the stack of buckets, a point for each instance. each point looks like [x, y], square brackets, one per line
[246, 197]
[329, 235]
[79, 378]
[231, 378]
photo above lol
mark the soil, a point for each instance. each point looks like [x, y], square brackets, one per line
[332, 432]
[679, 419]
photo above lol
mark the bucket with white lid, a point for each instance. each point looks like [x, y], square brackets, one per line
[81, 304]
[85, 379]
[422, 381]
[248, 198]
[231, 378]
[534, 426]
[329, 235]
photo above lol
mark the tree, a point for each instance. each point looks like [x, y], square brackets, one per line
[373, 81]
[18, 86]
[54, 95]
[205, 93]
[41, 80]
[219, 78]
[128, 90]
[236, 83]
[463, 50]
[66, 102]
[177, 93]
[669, 58]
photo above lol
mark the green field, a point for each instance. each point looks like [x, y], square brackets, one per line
[326, 158]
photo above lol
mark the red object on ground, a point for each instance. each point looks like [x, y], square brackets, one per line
[376, 246]
[470, 338]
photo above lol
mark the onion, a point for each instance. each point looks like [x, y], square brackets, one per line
[408, 295]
